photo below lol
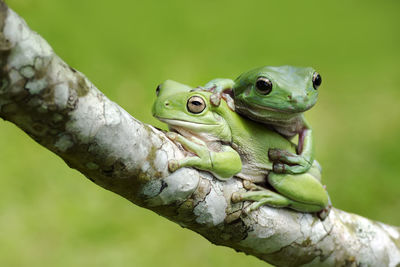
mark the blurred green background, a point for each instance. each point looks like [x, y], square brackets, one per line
[51, 215]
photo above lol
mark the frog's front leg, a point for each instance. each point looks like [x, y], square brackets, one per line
[286, 162]
[223, 165]
[219, 85]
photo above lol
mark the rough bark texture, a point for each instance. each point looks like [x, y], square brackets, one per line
[62, 110]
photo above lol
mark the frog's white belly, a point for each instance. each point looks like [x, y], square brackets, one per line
[253, 173]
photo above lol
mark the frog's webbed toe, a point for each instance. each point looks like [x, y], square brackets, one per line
[260, 198]
[289, 169]
[173, 165]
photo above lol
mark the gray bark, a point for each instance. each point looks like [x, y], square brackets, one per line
[63, 111]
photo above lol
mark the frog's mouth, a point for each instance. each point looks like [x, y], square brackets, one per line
[186, 124]
[289, 108]
[292, 110]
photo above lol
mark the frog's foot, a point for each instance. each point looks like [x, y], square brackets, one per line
[286, 162]
[260, 198]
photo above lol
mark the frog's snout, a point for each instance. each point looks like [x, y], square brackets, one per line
[297, 99]
[300, 102]
[160, 107]
[293, 99]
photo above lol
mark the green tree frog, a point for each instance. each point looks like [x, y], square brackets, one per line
[276, 96]
[226, 144]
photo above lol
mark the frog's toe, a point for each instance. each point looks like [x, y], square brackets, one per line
[236, 197]
[323, 214]
[215, 99]
[249, 185]
[255, 206]
[275, 154]
[173, 165]
[278, 168]
[171, 135]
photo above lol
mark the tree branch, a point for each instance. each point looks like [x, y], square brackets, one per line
[62, 110]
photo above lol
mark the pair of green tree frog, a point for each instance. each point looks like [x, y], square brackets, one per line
[275, 171]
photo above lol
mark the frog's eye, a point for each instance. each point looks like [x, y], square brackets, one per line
[316, 80]
[158, 90]
[196, 104]
[264, 85]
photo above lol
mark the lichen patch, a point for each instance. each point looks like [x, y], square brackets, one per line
[211, 211]
[36, 86]
[61, 94]
[177, 187]
[64, 142]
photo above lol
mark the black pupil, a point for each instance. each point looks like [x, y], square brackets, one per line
[265, 86]
[196, 103]
[158, 90]
[318, 80]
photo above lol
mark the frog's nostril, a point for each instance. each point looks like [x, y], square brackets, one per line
[298, 99]
[166, 103]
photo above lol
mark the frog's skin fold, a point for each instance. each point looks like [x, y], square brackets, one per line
[293, 91]
[227, 145]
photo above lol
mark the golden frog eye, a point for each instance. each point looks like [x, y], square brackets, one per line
[316, 80]
[196, 104]
[264, 85]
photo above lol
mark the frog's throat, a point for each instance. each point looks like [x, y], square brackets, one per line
[288, 111]
[187, 128]
[275, 117]
[288, 126]
[208, 138]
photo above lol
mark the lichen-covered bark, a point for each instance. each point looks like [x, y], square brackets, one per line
[62, 110]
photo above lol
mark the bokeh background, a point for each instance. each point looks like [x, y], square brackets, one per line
[51, 215]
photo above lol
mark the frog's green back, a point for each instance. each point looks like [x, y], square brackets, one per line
[252, 138]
